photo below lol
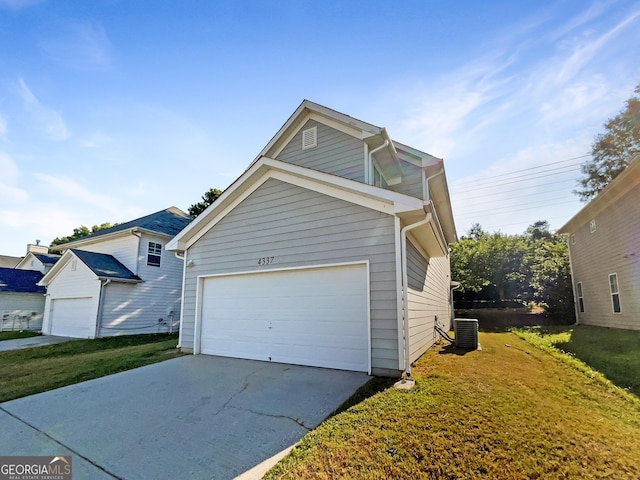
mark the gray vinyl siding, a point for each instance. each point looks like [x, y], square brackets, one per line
[145, 307]
[428, 297]
[613, 248]
[336, 153]
[411, 181]
[21, 311]
[300, 227]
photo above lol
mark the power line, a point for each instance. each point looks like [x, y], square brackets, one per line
[542, 203]
[491, 194]
[536, 167]
[516, 210]
[534, 177]
[537, 194]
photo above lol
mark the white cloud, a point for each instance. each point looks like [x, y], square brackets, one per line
[67, 187]
[9, 191]
[584, 53]
[95, 140]
[82, 46]
[50, 122]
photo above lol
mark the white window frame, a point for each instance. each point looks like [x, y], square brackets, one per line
[154, 249]
[614, 289]
[592, 226]
[580, 296]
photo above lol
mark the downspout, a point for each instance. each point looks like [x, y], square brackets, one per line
[370, 164]
[405, 290]
[428, 194]
[576, 302]
[101, 305]
[182, 257]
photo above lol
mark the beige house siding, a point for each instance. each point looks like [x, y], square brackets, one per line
[614, 247]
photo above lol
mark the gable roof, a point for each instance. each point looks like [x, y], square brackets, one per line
[389, 153]
[7, 261]
[410, 209]
[627, 180]
[167, 222]
[307, 110]
[104, 266]
[20, 281]
[47, 258]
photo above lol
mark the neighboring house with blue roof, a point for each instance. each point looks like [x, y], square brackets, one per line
[118, 281]
[38, 258]
[21, 299]
[7, 261]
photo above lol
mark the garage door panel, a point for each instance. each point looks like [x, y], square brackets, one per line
[316, 316]
[72, 317]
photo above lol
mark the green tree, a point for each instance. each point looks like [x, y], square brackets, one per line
[80, 232]
[547, 260]
[612, 150]
[531, 267]
[208, 198]
[482, 259]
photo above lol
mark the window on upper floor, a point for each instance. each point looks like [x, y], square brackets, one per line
[154, 253]
[615, 293]
[310, 138]
[580, 297]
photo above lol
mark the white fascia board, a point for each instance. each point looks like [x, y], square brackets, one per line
[629, 178]
[201, 222]
[329, 121]
[427, 160]
[265, 168]
[25, 260]
[311, 110]
[59, 265]
[90, 240]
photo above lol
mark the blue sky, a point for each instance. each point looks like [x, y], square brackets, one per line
[112, 109]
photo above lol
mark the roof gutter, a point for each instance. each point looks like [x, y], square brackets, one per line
[369, 173]
[405, 304]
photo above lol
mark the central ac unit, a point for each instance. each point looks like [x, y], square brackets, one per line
[466, 332]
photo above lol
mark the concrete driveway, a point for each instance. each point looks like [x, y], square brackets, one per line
[196, 417]
[40, 340]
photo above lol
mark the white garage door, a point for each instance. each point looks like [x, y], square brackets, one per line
[73, 317]
[315, 316]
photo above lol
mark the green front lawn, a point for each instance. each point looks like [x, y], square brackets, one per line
[17, 334]
[34, 370]
[509, 411]
[612, 352]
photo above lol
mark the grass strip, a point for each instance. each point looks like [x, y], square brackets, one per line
[17, 334]
[509, 411]
[34, 370]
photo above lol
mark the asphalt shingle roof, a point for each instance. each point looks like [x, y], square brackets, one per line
[105, 266]
[168, 221]
[47, 259]
[20, 281]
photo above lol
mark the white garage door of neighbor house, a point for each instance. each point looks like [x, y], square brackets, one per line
[315, 316]
[72, 317]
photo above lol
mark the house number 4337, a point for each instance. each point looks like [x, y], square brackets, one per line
[266, 260]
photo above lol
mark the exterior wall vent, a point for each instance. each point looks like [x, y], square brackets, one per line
[466, 332]
[309, 138]
[592, 226]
